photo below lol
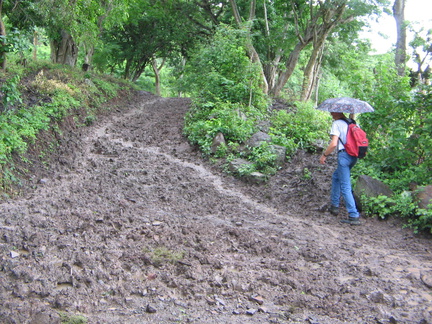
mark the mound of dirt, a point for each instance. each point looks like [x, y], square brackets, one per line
[130, 225]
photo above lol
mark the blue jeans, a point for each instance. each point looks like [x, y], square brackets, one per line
[341, 183]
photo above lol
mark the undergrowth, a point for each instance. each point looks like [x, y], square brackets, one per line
[37, 97]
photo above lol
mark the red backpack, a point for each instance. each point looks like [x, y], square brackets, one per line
[356, 141]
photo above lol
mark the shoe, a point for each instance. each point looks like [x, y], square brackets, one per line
[351, 221]
[333, 210]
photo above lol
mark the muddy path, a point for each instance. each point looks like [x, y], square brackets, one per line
[133, 226]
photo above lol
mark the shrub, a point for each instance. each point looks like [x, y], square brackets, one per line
[303, 127]
[204, 122]
[222, 72]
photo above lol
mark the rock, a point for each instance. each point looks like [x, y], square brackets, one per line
[423, 196]
[89, 82]
[370, 187]
[426, 278]
[220, 301]
[256, 177]
[14, 254]
[44, 317]
[280, 152]
[241, 114]
[210, 301]
[263, 309]
[319, 145]
[150, 309]
[376, 297]
[257, 299]
[258, 138]
[251, 311]
[264, 125]
[217, 141]
[236, 164]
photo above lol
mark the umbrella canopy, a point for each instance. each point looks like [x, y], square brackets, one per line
[345, 105]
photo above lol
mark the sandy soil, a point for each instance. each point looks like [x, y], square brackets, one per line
[129, 224]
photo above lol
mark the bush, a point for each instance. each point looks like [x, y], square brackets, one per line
[300, 129]
[204, 122]
[59, 90]
[222, 72]
[400, 205]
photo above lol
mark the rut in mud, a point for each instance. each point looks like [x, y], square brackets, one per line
[131, 225]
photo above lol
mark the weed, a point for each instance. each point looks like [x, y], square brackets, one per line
[66, 318]
[162, 255]
[307, 174]
[11, 94]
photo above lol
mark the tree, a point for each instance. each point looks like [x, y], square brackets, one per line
[156, 69]
[156, 30]
[400, 54]
[69, 25]
[422, 55]
[282, 29]
[332, 16]
[2, 39]
[253, 54]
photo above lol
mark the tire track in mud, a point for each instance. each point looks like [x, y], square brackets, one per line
[272, 220]
[371, 256]
[304, 263]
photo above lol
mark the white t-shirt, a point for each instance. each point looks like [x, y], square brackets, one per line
[340, 129]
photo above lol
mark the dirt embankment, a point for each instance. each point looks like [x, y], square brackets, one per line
[131, 225]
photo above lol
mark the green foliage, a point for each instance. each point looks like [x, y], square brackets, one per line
[67, 92]
[263, 158]
[304, 127]
[401, 205]
[16, 41]
[228, 99]
[246, 169]
[66, 318]
[403, 139]
[151, 30]
[348, 71]
[109, 89]
[222, 72]
[10, 92]
[422, 221]
[162, 255]
[202, 124]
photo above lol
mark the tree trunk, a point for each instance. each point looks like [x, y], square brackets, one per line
[183, 64]
[289, 69]
[88, 57]
[156, 70]
[317, 32]
[310, 72]
[317, 76]
[399, 16]
[270, 71]
[35, 45]
[2, 33]
[64, 51]
[253, 54]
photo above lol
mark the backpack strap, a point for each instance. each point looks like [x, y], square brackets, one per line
[348, 121]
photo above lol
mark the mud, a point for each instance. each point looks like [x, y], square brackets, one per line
[129, 224]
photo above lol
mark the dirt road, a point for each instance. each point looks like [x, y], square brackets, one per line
[131, 225]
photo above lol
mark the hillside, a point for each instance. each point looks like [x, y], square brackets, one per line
[129, 224]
